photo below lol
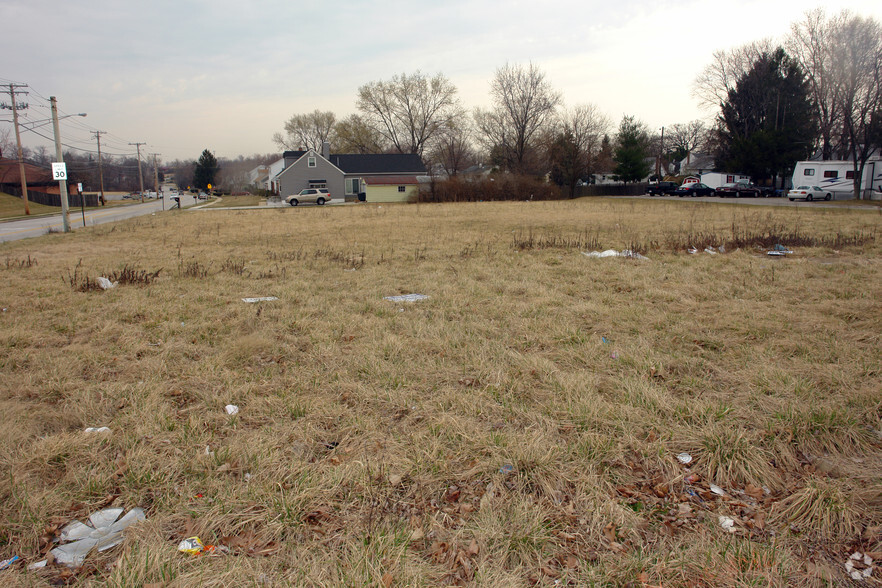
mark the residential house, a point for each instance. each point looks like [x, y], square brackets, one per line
[375, 177]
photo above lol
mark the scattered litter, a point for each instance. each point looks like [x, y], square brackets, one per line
[154, 344]
[261, 299]
[506, 469]
[97, 430]
[247, 477]
[614, 355]
[693, 250]
[604, 339]
[727, 523]
[194, 546]
[5, 309]
[8, 562]
[776, 253]
[684, 458]
[779, 251]
[859, 566]
[692, 478]
[105, 283]
[231, 409]
[717, 490]
[406, 298]
[103, 532]
[352, 269]
[710, 250]
[613, 253]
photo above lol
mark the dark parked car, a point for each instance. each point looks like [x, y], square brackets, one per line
[695, 189]
[661, 188]
[738, 189]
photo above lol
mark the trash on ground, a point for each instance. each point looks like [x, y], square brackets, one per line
[710, 250]
[684, 458]
[406, 298]
[859, 566]
[627, 253]
[191, 545]
[727, 523]
[231, 409]
[105, 283]
[604, 339]
[260, 299]
[102, 532]
[614, 355]
[8, 562]
[506, 469]
[97, 429]
[717, 490]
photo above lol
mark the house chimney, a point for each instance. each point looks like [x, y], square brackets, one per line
[326, 150]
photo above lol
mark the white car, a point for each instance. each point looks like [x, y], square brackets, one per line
[809, 193]
[317, 195]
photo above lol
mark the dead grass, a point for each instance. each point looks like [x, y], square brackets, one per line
[519, 427]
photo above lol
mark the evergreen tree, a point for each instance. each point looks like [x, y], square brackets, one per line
[205, 171]
[631, 151]
[767, 122]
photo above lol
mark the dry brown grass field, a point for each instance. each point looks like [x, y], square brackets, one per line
[519, 427]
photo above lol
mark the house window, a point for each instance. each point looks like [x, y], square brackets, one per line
[849, 175]
[401, 188]
[318, 183]
[310, 162]
[353, 185]
[808, 172]
[831, 174]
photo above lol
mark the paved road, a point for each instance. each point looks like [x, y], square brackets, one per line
[34, 227]
[762, 202]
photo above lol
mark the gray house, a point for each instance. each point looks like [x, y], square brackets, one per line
[379, 177]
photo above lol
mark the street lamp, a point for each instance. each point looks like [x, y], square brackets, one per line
[62, 179]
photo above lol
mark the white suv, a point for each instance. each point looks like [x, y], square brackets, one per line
[317, 195]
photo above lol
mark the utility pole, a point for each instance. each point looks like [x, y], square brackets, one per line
[62, 184]
[100, 166]
[140, 175]
[21, 169]
[156, 180]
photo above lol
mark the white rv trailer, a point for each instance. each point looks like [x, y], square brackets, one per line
[715, 179]
[837, 177]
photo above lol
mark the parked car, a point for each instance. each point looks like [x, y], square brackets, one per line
[317, 195]
[661, 188]
[738, 189]
[695, 189]
[809, 193]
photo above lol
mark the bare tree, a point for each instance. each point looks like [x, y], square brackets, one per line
[857, 56]
[524, 103]
[574, 151]
[354, 135]
[453, 151]
[711, 87]
[687, 137]
[307, 131]
[409, 111]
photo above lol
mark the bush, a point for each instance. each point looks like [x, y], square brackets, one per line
[499, 187]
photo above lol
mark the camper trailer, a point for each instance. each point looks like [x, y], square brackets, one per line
[716, 179]
[838, 177]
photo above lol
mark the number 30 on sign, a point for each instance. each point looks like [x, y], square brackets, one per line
[59, 171]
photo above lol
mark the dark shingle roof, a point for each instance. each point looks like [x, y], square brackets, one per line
[379, 163]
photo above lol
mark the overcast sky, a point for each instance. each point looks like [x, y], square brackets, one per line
[187, 75]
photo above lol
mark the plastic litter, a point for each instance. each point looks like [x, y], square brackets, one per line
[710, 250]
[727, 523]
[97, 429]
[191, 545]
[613, 253]
[102, 532]
[859, 566]
[8, 562]
[105, 283]
[231, 409]
[506, 469]
[260, 299]
[684, 458]
[717, 490]
[406, 298]
[692, 250]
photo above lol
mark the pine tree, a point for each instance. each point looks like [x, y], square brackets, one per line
[205, 171]
[631, 151]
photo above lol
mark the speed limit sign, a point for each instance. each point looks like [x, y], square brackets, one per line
[59, 171]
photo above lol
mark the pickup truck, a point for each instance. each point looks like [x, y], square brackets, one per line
[738, 189]
[661, 188]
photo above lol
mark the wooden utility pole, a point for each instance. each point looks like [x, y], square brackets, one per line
[21, 169]
[62, 184]
[140, 175]
[100, 167]
[156, 180]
